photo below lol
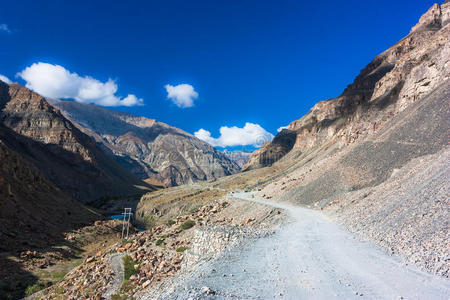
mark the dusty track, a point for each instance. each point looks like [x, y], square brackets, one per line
[311, 258]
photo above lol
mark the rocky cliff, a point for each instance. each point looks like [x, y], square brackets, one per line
[376, 157]
[67, 157]
[150, 149]
[401, 75]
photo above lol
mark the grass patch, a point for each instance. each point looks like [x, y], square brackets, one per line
[40, 285]
[193, 210]
[187, 224]
[128, 265]
[125, 241]
[182, 249]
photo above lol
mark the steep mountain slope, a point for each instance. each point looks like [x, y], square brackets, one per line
[67, 157]
[30, 205]
[396, 78]
[150, 149]
[34, 215]
[361, 156]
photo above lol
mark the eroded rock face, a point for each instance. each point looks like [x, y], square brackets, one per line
[67, 157]
[401, 75]
[272, 152]
[150, 149]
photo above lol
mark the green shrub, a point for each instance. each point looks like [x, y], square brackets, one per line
[182, 249]
[128, 266]
[159, 242]
[224, 204]
[170, 222]
[188, 224]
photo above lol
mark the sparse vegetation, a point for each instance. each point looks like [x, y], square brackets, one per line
[193, 210]
[129, 267]
[119, 297]
[187, 224]
[159, 242]
[149, 222]
[125, 241]
[40, 285]
[182, 249]
[170, 222]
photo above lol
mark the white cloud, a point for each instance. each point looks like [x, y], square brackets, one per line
[5, 79]
[282, 127]
[55, 81]
[5, 28]
[182, 95]
[250, 134]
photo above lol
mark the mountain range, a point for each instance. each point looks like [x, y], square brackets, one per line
[150, 149]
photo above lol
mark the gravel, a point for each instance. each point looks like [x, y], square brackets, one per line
[309, 257]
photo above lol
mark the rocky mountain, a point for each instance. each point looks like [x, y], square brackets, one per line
[376, 157]
[238, 156]
[152, 150]
[395, 79]
[34, 214]
[375, 160]
[30, 205]
[67, 157]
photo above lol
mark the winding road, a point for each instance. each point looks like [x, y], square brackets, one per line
[313, 258]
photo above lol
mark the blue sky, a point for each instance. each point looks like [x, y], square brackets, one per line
[256, 62]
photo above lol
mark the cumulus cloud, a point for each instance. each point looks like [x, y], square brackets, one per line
[55, 81]
[182, 95]
[281, 128]
[5, 28]
[5, 79]
[250, 134]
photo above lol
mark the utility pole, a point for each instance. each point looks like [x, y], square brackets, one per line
[126, 221]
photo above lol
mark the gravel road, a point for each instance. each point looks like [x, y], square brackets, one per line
[308, 258]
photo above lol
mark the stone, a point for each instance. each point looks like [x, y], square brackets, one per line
[146, 284]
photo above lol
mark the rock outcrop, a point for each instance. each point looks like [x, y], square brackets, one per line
[67, 157]
[150, 149]
[401, 75]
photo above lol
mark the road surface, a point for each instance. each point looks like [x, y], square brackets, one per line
[312, 258]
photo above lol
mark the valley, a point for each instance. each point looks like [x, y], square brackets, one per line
[349, 201]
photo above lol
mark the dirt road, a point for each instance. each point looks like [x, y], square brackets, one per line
[310, 258]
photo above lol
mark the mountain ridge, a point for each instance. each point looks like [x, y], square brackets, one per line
[149, 148]
[397, 77]
[67, 157]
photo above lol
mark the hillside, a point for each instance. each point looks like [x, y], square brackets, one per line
[66, 156]
[399, 76]
[350, 201]
[148, 148]
[361, 157]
